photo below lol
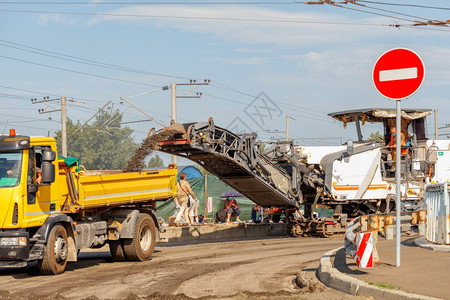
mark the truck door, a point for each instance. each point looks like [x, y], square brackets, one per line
[39, 202]
[43, 195]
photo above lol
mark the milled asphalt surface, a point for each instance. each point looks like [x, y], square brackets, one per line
[424, 271]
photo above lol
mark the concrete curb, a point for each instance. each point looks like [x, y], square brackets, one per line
[331, 277]
[220, 232]
[423, 243]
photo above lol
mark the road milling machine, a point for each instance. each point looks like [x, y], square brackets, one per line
[353, 179]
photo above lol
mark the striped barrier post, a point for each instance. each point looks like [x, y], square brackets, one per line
[359, 245]
[361, 235]
[365, 246]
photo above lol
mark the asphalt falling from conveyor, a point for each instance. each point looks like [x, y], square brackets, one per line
[148, 145]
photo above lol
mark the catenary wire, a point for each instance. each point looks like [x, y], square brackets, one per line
[82, 60]
[78, 72]
[195, 18]
[405, 5]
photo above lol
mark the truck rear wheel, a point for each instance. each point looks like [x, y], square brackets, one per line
[141, 246]
[116, 249]
[55, 252]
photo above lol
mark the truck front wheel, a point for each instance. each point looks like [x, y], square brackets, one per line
[55, 252]
[141, 246]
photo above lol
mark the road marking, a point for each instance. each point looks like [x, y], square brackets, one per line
[398, 74]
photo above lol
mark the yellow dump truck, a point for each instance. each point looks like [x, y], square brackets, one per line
[50, 208]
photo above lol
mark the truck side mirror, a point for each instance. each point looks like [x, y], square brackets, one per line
[350, 147]
[32, 189]
[47, 168]
[48, 155]
[48, 172]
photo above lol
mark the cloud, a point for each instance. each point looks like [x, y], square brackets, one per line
[435, 59]
[296, 29]
[44, 19]
[251, 50]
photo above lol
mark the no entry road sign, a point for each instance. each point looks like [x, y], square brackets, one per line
[398, 73]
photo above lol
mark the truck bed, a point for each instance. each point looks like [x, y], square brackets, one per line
[100, 189]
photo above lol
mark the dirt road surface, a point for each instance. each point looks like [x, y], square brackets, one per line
[281, 268]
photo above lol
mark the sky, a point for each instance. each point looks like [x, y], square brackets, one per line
[263, 60]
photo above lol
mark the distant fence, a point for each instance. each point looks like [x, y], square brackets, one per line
[438, 213]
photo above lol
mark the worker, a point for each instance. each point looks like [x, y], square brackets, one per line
[183, 192]
[38, 175]
[193, 210]
[255, 218]
[393, 142]
[232, 208]
[4, 170]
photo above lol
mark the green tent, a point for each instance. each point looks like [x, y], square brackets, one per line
[215, 187]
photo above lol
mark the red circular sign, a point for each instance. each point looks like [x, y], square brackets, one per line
[398, 73]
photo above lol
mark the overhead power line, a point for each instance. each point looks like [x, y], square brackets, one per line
[334, 3]
[78, 72]
[343, 4]
[150, 3]
[405, 5]
[106, 3]
[193, 18]
[76, 59]
[215, 84]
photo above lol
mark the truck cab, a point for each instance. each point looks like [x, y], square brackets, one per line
[22, 161]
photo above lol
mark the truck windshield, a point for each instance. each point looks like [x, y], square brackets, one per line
[10, 168]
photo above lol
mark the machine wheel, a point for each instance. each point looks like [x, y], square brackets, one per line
[141, 246]
[276, 218]
[295, 230]
[55, 252]
[322, 230]
[116, 250]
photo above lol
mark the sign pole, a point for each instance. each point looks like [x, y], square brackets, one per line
[398, 74]
[398, 198]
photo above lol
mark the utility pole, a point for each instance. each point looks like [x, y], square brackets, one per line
[276, 133]
[287, 126]
[174, 97]
[63, 111]
[173, 104]
[436, 129]
[63, 127]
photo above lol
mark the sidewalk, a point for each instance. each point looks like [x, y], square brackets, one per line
[423, 273]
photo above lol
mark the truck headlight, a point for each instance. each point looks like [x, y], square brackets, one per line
[13, 241]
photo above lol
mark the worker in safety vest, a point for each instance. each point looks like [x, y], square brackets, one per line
[393, 142]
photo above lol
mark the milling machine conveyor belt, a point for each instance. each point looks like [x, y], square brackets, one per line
[234, 159]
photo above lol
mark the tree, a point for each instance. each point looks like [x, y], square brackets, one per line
[104, 145]
[376, 136]
[155, 162]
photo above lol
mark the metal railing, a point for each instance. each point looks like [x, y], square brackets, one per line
[380, 223]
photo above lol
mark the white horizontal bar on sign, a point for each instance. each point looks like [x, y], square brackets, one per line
[398, 74]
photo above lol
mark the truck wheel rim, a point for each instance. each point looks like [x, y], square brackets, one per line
[60, 249]
[145, 239]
